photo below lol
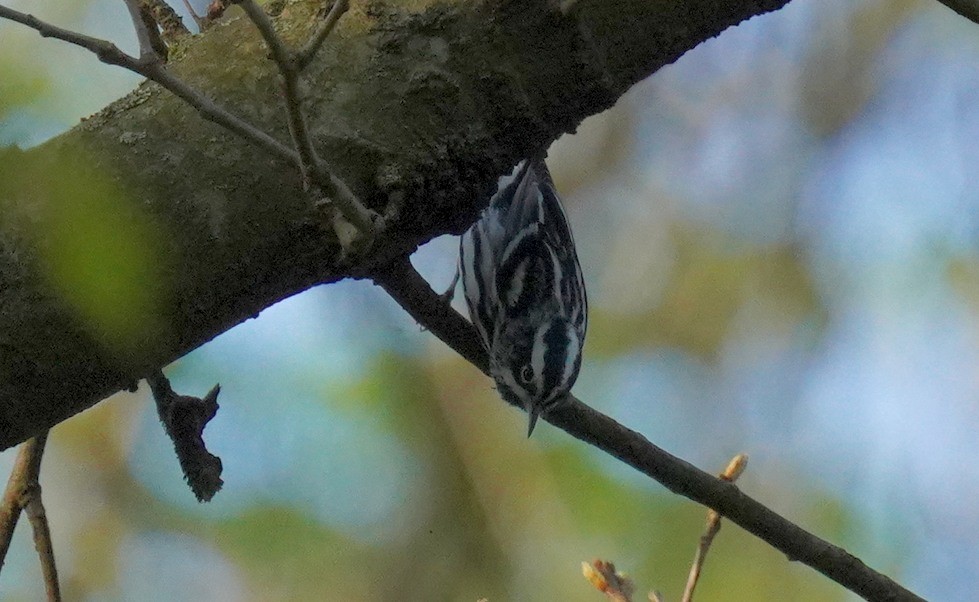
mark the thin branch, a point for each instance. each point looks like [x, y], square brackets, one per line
[23, 493]
[109, 53]
[27, 467]
[734, 469]
[290, 85]
[147, 50]
[10, 505]
[280, 54]
[966, 8]
[306, 54]
[405, 285]
[168, 22]
[199, 20]
[213, 112]
[42, 530]
[311, 166]
[412, 292]
[350, 206]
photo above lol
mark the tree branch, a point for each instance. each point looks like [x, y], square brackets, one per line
[171, 25]
[404, 118]
[290, 76]
[106, 51]
[150, 66]
[307, 53]
[23, 494]
[731, 473]
[151, 45]
[412, 292]
[311, 166]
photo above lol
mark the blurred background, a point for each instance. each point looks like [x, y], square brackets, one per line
[779, 236]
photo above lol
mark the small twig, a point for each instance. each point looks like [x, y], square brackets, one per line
[290, 86]
[42, 532]
[149, 51]
[350, 206]
[215, 113]
[603, 576]
[262, 22]
[734, 469]
[619, 588]
[215, 10]
[184, 418]
[156, 39]
[312, 167]
[23, 494]
[306, 54]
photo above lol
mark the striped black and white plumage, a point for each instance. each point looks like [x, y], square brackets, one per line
[525, 292]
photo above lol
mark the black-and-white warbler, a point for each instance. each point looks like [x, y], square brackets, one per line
[525, 291]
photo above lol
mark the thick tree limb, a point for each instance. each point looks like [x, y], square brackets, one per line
[411, 291]
[423, 108]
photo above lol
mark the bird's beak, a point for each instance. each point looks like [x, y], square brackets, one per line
[533, 413]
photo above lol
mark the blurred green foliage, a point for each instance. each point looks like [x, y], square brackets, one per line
[100, 251]
[19, 84]
[710, 281]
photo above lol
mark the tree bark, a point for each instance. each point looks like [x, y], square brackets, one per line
[420, 104]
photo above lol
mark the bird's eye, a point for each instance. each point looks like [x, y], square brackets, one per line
[526, 374]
